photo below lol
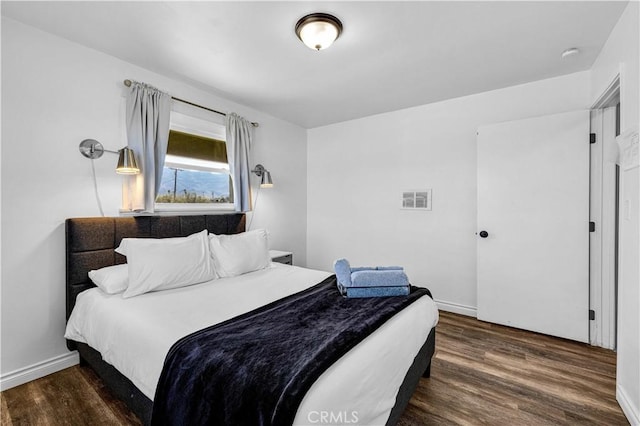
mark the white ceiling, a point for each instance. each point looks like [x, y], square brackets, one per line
[391, 55]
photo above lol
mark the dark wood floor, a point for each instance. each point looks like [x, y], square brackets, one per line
[482, 374]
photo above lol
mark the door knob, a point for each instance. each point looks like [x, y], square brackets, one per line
[484, 234]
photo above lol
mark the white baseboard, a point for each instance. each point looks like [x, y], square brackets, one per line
[457, 308]
[38, 370]
[632, 413]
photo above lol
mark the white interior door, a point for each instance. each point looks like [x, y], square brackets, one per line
[533, 206]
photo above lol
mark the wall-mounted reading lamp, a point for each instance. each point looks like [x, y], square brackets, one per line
[127, 164]
[265, 182]
[92, 149]
[264, 175]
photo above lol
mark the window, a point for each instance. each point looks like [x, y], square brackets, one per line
[196, 171]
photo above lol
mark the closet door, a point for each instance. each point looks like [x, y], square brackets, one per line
[533, 224]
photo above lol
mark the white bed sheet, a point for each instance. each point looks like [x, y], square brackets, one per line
[135, 334]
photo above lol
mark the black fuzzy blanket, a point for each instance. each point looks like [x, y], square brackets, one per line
[255, 369]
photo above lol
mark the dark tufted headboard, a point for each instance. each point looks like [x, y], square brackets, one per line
[90, 242]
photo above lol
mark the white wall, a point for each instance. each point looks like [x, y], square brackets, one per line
[620, 55]
[358, 169]
[54, 94]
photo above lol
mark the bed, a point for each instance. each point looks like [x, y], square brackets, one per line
[130, 352]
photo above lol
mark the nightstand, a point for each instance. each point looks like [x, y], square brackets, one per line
[285, 257]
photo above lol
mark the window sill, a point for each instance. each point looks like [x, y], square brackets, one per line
[197, 207]
[165, 209]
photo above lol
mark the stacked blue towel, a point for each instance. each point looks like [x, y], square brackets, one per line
[378, 281]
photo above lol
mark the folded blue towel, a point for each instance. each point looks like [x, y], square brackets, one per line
[359, 292]
[379, 278]
[377, 281]
[343, 272]
[376, 268]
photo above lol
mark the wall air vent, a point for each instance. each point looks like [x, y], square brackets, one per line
[416, 200]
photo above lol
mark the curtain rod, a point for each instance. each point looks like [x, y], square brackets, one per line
[128, 84]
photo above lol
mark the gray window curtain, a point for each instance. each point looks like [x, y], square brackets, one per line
[239, 142]
[148, 116]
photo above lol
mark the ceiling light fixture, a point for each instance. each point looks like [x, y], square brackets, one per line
[318, 30]
[570, 52]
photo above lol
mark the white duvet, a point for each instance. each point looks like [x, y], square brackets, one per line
[135, 334]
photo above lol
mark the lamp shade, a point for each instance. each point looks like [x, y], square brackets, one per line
[318, 30]
[127, 164]
[265, 181]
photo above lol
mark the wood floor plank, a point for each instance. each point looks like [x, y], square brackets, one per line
[5, 418]
[481, 373]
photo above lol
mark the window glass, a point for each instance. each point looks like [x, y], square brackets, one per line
[196, 172]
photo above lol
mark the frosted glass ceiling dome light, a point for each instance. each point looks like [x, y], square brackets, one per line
[318, 30]
[572, 51]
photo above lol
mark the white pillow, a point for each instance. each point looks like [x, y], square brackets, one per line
[111, 279]
[122, 248]
[162, 264]
[125, 243]
[240, 253]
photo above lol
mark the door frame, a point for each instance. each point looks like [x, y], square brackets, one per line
[603, 209]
